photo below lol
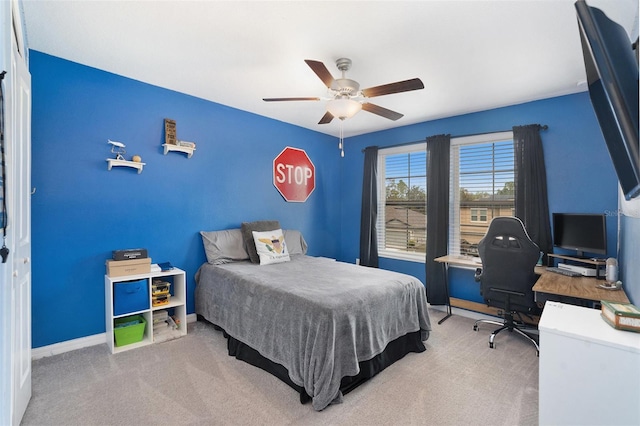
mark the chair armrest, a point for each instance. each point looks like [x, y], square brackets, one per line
[478, 275]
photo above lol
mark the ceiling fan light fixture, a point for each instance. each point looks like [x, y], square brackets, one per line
[343, 108]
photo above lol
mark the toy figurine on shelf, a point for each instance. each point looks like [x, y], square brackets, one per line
[118, 149]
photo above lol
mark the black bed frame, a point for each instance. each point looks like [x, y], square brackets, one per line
[395, 350]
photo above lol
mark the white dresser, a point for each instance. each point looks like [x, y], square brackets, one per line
[589, 371]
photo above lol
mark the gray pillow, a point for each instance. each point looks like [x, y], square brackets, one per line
[224, 246]
[260, 226]
[295, 241]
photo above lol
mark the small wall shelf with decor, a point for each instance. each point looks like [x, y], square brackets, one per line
[112, 162]
[171, 141]
[117, 148]
[146, 308]
[179, 148]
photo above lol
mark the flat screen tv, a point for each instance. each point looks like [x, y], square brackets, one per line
[580, 232]
[612, 75]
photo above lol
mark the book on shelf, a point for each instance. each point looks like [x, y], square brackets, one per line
[622, 316]
[161, 314]
[165, 266]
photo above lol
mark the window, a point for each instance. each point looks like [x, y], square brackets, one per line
[481, 188]
[402, 189]
[478, 215]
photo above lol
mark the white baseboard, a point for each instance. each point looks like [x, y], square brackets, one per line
[68, 345]
[82, 342]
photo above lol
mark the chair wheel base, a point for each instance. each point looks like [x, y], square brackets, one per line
[491, 345]
[475, 327]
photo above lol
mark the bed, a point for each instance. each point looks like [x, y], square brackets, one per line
[320, 325]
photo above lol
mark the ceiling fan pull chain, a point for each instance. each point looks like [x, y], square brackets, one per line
[341, 144]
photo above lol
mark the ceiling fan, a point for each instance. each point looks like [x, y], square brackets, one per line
[345, 99]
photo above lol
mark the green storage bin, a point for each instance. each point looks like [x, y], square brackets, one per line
[124, 333]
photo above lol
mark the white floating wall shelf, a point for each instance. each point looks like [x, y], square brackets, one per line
[112, 162]
[170, 147]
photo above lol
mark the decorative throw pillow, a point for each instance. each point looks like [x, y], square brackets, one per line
[224, 246]
[295, 242]
[247, 229]
[271, 247]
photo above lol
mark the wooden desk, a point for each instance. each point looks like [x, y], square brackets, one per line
[474, 262]
[550, 285]
[586, 288]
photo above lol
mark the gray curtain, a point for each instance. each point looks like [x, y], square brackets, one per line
[369, 212]
[532, 203]
[438, 148]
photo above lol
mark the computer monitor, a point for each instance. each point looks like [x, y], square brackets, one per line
[580, 232]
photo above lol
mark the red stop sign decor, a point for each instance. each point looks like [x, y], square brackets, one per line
[294, 175]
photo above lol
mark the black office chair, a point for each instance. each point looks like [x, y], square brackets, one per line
[507, 276]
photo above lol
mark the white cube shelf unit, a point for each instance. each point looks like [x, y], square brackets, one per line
[177, 305]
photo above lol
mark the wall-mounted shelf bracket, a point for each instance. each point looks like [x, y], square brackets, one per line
[170, 147]
[112, 162]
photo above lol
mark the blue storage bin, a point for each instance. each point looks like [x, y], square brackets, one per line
[130, 296]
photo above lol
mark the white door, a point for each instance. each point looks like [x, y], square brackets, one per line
[18, 175]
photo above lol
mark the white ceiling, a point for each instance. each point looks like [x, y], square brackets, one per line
[471, 55]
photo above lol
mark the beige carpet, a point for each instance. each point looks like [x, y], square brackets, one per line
[459, 380]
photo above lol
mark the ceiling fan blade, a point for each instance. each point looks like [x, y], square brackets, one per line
[326, 118]
[397, 87]
[383, 112]
[289, 99]
[321, 71]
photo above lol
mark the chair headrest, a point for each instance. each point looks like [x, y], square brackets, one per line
[507, 232]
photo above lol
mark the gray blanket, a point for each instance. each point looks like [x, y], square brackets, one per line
[315, 316]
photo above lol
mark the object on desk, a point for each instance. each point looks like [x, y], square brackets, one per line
[622, 316]
[612, 270]
[611, 286]
[586, 271]
[561, 271]
[165, 266]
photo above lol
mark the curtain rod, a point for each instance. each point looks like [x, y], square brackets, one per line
[542, 126]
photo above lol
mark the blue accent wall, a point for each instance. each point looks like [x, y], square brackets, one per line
[81, 211]
[580, 175]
